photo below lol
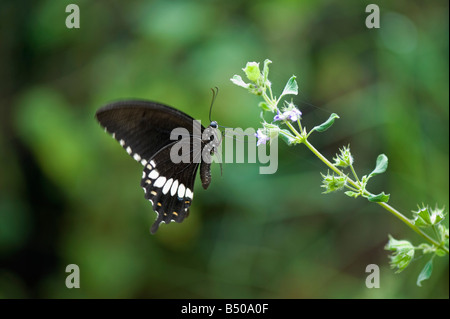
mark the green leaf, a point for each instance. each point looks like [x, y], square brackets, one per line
[440, 252]
[381, 166]
[326, 125]
[380, 198]
[291, 87]
[264, 106]
[266, 71]
[425, 273]
[287, 137]
[236, 79]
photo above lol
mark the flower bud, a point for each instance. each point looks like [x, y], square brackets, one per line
[403, 253]
[252, 71]
[344, 159]
[333, 183]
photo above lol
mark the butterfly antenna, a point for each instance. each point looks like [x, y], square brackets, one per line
[215, 93]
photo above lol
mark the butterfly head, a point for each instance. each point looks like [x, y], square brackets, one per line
[213, 124]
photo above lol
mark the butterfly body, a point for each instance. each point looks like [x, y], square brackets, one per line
[146, 131]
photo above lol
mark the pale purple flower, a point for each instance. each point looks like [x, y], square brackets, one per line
[262, 138]
[279, 117]
[292, 114]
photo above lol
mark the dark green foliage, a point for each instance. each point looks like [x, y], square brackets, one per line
[70, 194]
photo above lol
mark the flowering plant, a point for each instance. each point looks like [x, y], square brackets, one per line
[287, 124]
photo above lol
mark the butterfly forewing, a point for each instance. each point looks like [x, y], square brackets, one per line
[141, 127]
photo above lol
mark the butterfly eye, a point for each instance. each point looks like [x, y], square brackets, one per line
[213, 124]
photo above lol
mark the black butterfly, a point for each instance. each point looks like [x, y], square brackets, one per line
[143, 129]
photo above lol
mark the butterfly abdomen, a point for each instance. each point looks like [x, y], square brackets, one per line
[205, 174]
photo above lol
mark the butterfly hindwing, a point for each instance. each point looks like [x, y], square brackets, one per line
[169, 187]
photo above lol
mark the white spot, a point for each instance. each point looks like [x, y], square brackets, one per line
[122, 142]
[143, 174]
[129, 151]
[144, 162]
[166, 187]
[114, 135]
[145, 189]
[151, 201]
[160, 181]
[181, 190]
[174, 188]
[189, 193]
[149, 167]
[153, 174]
[152, 163]
[137, 157]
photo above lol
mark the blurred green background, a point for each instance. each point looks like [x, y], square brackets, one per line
[70, 195]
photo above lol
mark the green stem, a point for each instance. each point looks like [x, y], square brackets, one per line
[386, 206]
[389, 208]
[436, 233]
[353, 189]
[412, 226]
[299, 125]
[300, 138]
[354, 173]
[326, 161]
[271, 95]
[269, 100]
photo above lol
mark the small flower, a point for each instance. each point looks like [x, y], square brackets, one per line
[267, 133]
[403, 253]
[262, 138]
[258, 81]
[279, 117]
[290, 112]
[333, 183]
[443, 231]
[426, 216]
[345, 158]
